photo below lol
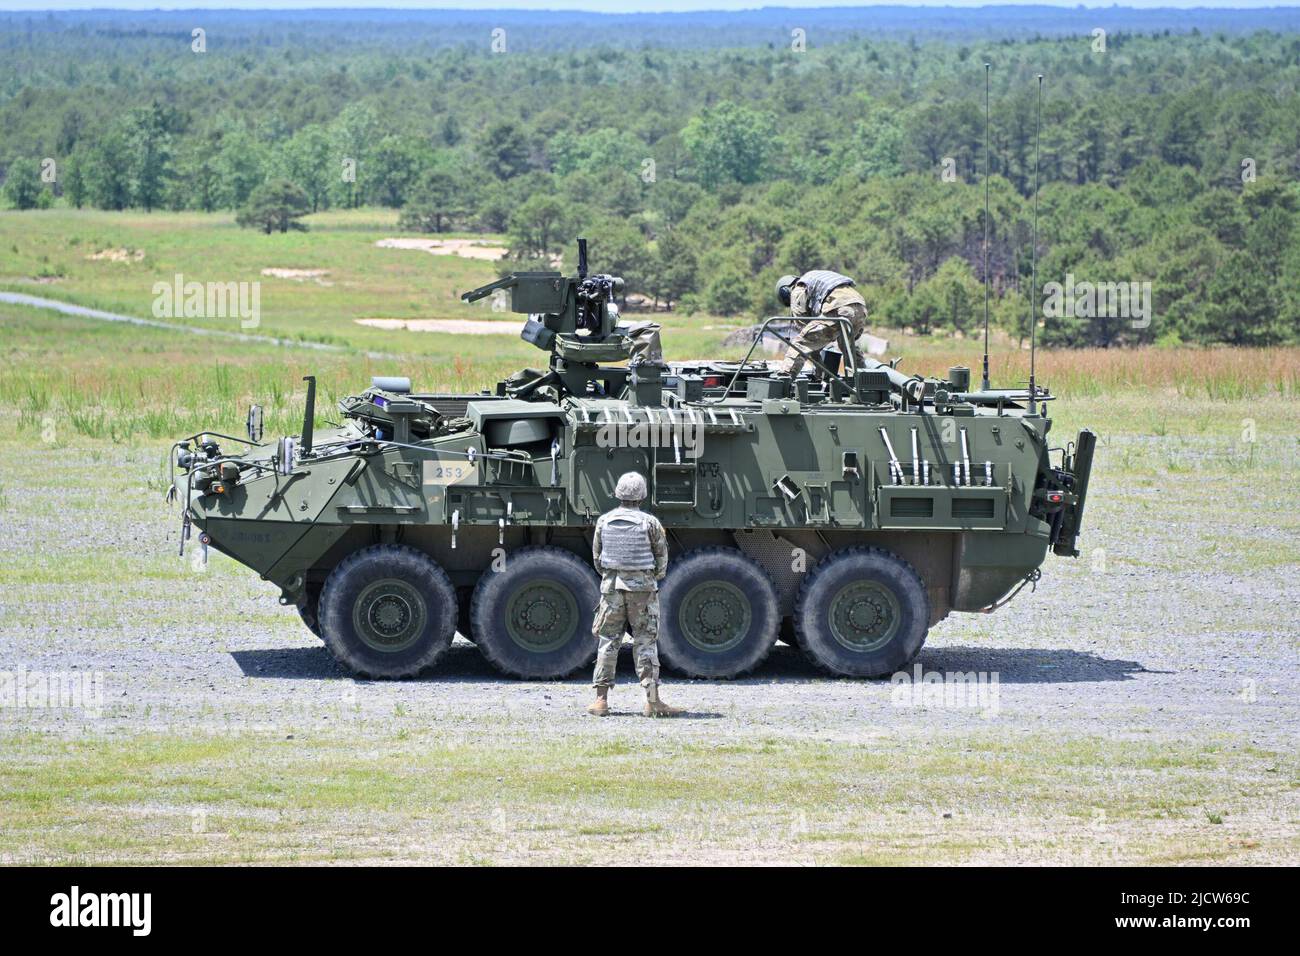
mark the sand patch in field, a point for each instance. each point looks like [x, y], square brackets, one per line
[120, 254]
[465, 248]
[299, 275]
[452, 326]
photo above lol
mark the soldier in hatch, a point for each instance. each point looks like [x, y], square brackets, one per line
[630, 550]
[825, 294]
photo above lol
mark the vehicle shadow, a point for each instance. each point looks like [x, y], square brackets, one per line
[462, 662]
[786, 665]
[1012, 665]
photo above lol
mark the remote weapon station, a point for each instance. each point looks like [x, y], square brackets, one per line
[845, 511]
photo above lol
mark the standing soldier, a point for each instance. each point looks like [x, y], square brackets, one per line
[630, 551]
[821, 293]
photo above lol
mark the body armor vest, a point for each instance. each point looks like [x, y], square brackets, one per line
[820, 284]
[625, 540]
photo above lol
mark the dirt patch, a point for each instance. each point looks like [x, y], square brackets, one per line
[299, 275]
[465, 248]
[1137, 699]
[121, 254]
[453, 326]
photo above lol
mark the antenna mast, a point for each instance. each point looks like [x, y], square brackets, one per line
[1033, 291]
[988, 67]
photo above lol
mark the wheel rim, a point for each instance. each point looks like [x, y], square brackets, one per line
[864, 616]
[542, 616]
[390, 615]
[715, 616]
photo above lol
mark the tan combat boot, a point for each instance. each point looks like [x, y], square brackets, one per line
[600, 706]
[654, 707]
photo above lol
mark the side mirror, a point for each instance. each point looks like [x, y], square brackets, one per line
[255, 424]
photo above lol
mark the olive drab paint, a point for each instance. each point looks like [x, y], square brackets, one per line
[901, 477]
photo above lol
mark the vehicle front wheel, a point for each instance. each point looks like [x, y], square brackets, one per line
[862, 612]
[532, 618]
[388, 611]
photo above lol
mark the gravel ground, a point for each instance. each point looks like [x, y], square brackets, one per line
[1154, 678]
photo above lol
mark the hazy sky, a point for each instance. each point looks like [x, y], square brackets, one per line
[604, 6]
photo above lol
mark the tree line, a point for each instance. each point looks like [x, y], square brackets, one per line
[702, 175]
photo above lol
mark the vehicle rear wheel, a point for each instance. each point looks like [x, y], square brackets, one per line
[718, 614]
[532, 619]
[388, 611]
[862, 612]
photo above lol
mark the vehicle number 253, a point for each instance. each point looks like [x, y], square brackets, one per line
[449, 472]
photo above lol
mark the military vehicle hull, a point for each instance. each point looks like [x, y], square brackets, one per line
[845, 518]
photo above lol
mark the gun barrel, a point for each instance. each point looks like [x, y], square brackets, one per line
[995, 396]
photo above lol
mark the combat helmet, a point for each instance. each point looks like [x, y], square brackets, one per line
[783, 287]
[630, 487]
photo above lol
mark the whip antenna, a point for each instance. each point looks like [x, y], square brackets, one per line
[988, 67]
[1033, 291]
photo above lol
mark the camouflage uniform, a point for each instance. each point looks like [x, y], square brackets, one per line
[841, 303]
[629, 597]
[643, 344]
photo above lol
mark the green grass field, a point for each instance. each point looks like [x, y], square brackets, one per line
[421, 791]
[366, 281]
[48, 253]
[227, 737]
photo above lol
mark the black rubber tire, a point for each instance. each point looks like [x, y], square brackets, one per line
[424, 582]
[753, 583]
[813, 612]
[308, 607]
[564, 573]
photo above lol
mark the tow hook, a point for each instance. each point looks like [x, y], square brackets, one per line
[1031, 579]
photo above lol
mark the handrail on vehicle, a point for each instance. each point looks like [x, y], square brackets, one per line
[845, 329]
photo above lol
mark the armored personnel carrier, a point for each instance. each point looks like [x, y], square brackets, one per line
[846, 511]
